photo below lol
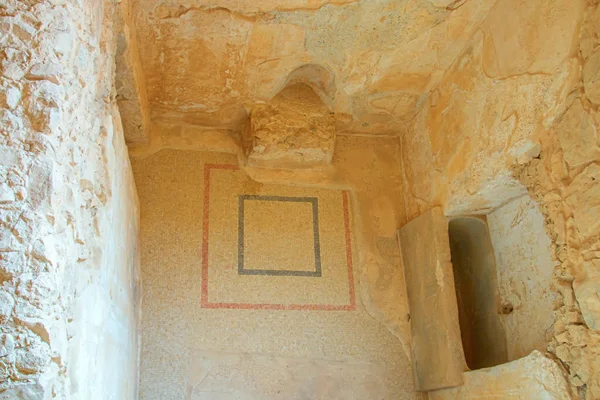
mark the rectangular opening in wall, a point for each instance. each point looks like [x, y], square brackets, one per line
[503, 276]
[482, 330]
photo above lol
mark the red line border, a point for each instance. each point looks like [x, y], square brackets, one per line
[204, 303]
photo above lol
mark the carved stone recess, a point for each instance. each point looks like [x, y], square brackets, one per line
[296, 129]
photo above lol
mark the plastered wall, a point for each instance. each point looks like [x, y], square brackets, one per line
[68, 208]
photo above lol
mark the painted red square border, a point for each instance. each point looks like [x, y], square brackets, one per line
[204, 303]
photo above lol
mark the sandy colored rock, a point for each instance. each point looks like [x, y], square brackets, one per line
[480, 142]
[295, 129]
[525, 270]
[208, 57]
[68, 208]
[533, 377]
[437, 351]
[129, 78]
[591, 77]
[509, 49]
[578, 136]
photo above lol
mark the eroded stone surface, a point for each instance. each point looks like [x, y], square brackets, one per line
[129, 78]
[533, 377]
[68, 216]
[487, 113]
[437, 351]
[295, 129]
[525, 267]
[208, 59]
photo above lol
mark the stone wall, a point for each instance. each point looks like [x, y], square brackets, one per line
[517, 113]
[68, 208]
[129, 79]
[373, 61]
[523, 254]
[491, 107]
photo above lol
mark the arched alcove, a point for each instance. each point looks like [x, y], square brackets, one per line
[320, 79]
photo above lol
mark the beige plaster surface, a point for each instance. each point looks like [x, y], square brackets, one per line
[178, 333]
[295, 234]
[278, 236]
[517, 113]
[69, 302]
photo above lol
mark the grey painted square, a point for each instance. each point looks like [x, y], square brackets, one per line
[317, 248]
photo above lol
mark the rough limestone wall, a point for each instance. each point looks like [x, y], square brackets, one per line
[565, 180]
[68, 208]
[518, 112]
[489, 107]
[129, 80]
[524, 265]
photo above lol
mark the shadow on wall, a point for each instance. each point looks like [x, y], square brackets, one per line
[475, 281]
[317, 77]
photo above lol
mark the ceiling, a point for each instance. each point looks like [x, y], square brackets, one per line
[373, 62]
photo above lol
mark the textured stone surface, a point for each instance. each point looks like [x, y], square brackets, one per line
[534, 377]
[473, 127]
[493, 101]
[295, 129]
[68, 216]
[480, 142]
[591, 77]
[569, 197]
[578, 135]
[206, 60]
[525, 267]
[437, 351]
[129, 77]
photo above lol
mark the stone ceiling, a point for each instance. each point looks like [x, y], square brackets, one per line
[373, 62]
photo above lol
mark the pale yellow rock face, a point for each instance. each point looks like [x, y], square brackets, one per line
[534, 377]
[294, 130]
[437, 353]
[517, 114]
[129, 78]
[488, 109]
[68, 207]
[207, 62]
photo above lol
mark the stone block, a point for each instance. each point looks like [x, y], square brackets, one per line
[532, 377]
[296, 129]
[437, 352]
[591, 77]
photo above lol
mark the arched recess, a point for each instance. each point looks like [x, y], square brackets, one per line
[320, 79]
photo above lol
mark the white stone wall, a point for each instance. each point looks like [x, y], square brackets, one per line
[68, 208]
